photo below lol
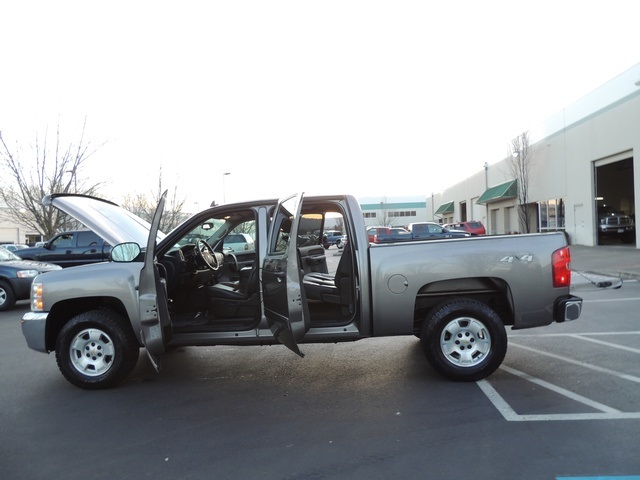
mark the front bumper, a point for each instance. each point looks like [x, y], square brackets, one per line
[34, 329]
[567, 308]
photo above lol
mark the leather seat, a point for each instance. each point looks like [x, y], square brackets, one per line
[324, 287]
[240, 290]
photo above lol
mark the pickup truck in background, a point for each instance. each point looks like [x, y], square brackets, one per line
[474, 227]
[69, 249]
[416, 231]
[456, 295]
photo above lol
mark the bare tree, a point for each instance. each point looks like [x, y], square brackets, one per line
[144, 206]
[385, 217]
[51, 169]
[519, 162]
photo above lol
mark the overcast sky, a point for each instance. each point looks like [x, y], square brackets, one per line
[365, 97]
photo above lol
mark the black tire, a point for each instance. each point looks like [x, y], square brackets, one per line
[96, 349]
[7, 297]
[464, 340]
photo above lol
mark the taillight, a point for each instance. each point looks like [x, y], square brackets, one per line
[561, 267]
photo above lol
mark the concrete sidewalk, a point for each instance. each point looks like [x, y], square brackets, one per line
[622, 261]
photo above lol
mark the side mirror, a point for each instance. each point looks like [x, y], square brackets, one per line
[125, 252]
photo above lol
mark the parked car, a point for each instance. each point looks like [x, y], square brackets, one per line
[417, 231]
[615, 224]
[331, 237]
[12, 247]
[342, 242]
[16, 276]
[474, 227]
[238, 242]
[374, 233]
[69, 249]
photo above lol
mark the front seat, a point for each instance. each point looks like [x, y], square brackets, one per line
[236, 298]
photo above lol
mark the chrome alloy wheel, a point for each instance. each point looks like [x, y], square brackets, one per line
[91, 352]
[465, 342]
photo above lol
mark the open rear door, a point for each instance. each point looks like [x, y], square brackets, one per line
[284, 303]
[154, 311]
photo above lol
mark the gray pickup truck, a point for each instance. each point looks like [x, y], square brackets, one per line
[184, 289]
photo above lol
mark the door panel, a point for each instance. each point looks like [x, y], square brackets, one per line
[284, 303]
[154, 310]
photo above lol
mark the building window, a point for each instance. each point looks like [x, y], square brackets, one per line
[551, 215]
[411, 213]
[369, 214]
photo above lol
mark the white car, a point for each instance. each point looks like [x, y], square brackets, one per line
[12, 247]
[238, 242]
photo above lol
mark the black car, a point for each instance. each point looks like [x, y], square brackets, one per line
[69, 249]
[16, 276]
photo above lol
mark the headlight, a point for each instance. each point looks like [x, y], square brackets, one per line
[27, 273]
[36, 297]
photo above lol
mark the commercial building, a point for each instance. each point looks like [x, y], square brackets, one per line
[394, 211]
[583, 162]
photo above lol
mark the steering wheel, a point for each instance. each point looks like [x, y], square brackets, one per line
[206, 255]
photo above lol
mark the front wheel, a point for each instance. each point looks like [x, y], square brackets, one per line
[464, 339]
[96, 350]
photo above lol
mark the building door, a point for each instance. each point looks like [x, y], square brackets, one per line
[615, 200]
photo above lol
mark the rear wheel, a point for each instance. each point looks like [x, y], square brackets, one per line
[464, 339]
[96, 349]
[7, 297]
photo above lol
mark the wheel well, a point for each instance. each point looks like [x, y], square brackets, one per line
[65, 310]
[493, 292]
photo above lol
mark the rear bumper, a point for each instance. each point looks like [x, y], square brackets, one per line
[567, 308]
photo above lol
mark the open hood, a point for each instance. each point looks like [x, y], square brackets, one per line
[108, 220]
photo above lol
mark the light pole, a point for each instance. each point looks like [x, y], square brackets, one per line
[224, 200]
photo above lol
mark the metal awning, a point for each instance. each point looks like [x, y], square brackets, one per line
[444, 209]
[499, 192]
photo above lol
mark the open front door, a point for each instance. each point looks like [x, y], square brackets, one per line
[154, 311]
[284, 303]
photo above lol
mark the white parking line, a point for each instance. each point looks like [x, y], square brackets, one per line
[510, 415]
[591, 334]
[624, 376]
[631, 299]
[606, 412]
[607, 344]
[562, 391]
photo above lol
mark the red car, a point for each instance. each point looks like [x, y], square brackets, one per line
[473, 227]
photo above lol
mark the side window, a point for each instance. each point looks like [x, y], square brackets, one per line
[280, 231]
[420, 229]
[241, 238]
[63, 241]
[310, 229]
[283, 235]
[88, 239]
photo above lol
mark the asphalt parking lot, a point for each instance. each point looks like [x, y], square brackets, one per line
[565, 404]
